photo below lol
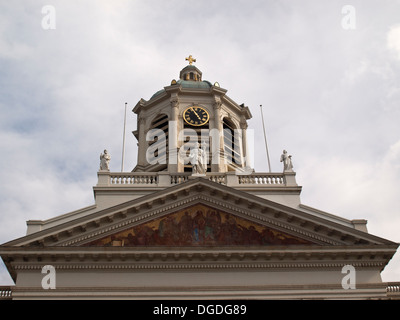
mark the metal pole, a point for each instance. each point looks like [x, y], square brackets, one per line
[123, 141]
[265, 138]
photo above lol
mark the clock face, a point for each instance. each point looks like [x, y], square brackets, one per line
[196, 116]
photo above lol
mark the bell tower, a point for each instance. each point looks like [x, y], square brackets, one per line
[189, 118]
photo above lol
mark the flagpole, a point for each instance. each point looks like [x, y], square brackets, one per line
[265, 138]
[123, 141]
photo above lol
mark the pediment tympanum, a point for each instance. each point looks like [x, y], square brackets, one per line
[198, 225]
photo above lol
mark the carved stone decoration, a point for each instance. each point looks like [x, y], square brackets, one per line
[105, 161]
[174, 102]
[217, 104]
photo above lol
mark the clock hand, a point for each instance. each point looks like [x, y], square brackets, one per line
[195, 113]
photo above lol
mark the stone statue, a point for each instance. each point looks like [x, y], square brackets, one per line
[105, 161]
[198, 159]
[287, 161]
[205, 157]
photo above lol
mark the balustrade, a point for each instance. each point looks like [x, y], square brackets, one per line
[263, 179]
[5, 293]
[133, 178]
[177, 178]
[393, 287]
[217, 177]
[153, 179]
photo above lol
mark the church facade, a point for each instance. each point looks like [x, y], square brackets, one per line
[192, 220]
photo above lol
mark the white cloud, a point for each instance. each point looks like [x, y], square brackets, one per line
[393, 39]
[356, 189]
[5, 278]
[327, 94]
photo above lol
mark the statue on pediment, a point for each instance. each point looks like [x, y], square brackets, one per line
[105, 161]
[198, 159]
[287, 161]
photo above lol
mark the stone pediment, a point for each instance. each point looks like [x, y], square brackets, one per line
[198, 225]
[198, 213]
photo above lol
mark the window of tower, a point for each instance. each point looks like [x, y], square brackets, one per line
[232, 147]
[160, 143]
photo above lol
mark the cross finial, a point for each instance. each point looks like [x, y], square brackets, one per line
[190, 59]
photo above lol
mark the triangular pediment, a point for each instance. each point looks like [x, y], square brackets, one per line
[198, 225]
[229, 217]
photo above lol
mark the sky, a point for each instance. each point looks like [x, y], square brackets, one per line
[326, 72]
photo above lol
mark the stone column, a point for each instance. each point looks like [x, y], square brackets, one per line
[173, 131]
[142, 162]
[217, 164]
[244, 156]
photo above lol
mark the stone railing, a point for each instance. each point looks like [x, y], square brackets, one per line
[5, 293]
[177, 178]
[165, 179]
[263, 178]
[133, 178]
[217, 177]
[393, 289]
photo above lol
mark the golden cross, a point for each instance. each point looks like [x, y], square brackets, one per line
[190, 59]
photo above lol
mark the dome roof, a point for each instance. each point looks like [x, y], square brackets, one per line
[190, 77]
[187, 84]
[157, 93]
[195, 84]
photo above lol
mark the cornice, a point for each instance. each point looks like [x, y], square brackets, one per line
[217, 258]
[212, 292]
[201, 266]
[245, 111]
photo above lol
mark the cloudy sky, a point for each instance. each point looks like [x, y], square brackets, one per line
[327, 75]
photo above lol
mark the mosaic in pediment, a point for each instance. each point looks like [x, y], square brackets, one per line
[198, 226]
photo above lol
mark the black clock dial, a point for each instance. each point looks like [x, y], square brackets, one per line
[196, 116]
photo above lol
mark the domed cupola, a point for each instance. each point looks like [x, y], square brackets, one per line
[190, 72]
[188, 112]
